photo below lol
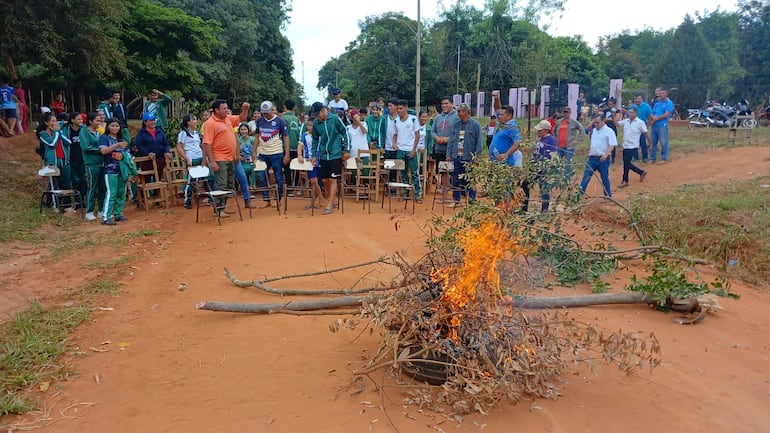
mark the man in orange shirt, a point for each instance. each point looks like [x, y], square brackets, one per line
[220, 147]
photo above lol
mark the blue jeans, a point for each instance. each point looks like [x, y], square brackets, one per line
[276, 163]
[643, 146]
[593, 164]
[567, 153]
[659, 133]
[243, 181]
[458, 182]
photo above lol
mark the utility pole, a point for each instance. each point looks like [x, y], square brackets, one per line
[417, 63]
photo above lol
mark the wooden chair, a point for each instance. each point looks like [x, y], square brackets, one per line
[422, 154]
[199, 181]
[448, 167]
[356, 189]
[175, 177]
[369, 174]
[402, 189]
[150, 187]
[303, 183]
[56, 195]
[270, 188]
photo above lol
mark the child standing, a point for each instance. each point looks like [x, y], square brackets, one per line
[115, 152]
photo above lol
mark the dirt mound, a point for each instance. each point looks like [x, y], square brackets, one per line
[20, 148]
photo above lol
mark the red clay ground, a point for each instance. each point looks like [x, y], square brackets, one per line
[195, 371]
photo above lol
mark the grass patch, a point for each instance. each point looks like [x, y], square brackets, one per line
[725, 223]
[94, 289]
[33, 342]
[110, 264]
[77, 241]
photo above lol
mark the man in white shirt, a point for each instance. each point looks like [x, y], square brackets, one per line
[337, 104]
[603, 141]
[633, 128]
[405, 139]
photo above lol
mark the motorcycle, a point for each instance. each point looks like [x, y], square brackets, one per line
[723, 116]
[764, 116]
[698, 118]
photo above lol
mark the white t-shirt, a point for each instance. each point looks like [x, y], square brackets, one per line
[191, 143]
[333, 105]
[391, 132]
[357, 140]
[404, 131]
[631, 132]
[421, 143]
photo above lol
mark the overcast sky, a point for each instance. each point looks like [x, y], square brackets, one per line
[320, 30]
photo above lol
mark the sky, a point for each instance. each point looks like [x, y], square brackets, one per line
[320, 30]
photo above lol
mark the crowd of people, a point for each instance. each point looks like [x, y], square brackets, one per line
[92, 150]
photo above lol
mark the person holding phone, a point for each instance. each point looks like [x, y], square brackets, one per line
[114, 150]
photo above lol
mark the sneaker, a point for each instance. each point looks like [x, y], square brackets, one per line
[121, 218]
[90, 216]
[642, 176]
[623, 184]
[223, 214]
[652, 161]
[109, 223]
[99, 215]
[662, 161]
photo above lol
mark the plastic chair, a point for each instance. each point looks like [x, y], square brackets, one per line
[56, 195]
[199, 181]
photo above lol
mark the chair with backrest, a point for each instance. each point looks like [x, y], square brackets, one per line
[448, 167]
[57, 195]
[356, 188]
[175, 177]
[150, 187]
[260, 171]
[201, 188]
[369, 174]
[302, 183]
[400, 188]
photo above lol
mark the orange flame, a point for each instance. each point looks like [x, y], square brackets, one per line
[483, 247]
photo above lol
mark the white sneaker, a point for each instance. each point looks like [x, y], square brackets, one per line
[90, 216]
[99, 214]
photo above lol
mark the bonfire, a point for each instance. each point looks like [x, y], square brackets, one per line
[455, 330]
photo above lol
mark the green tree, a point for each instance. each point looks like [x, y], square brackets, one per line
[721, 31]
[688, 63]
[754, 53]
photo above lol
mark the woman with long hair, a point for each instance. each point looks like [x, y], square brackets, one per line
[244, 166]
[117, 171]
[57, 150]
[151, 141]
[77, 165]
[188, 146]
[94, 165]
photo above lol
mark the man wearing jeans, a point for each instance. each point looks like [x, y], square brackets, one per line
[220, 147]
[661, 112]
[567, 132]
[603, 140]
[273, 147]
[465, 145]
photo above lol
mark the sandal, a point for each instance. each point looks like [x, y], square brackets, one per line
[328, 211]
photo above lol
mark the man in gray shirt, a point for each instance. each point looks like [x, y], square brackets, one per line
[443, 125]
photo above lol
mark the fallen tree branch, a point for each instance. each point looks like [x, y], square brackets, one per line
[316, 304]
[261, 284]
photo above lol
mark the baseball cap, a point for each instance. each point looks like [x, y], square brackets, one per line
[336, 91]
[148, 116]
[266, 107]
[543, 126]
[464, 107]
[315, 109]
[45, 110]
[355, 111]
[493, 117]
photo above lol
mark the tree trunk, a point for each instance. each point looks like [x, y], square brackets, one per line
[10, 66]
[351, 301]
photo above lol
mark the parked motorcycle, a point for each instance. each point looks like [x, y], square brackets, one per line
[722, 116]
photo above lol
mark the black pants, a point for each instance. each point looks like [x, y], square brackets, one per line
[287, 175]
[628, 154]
